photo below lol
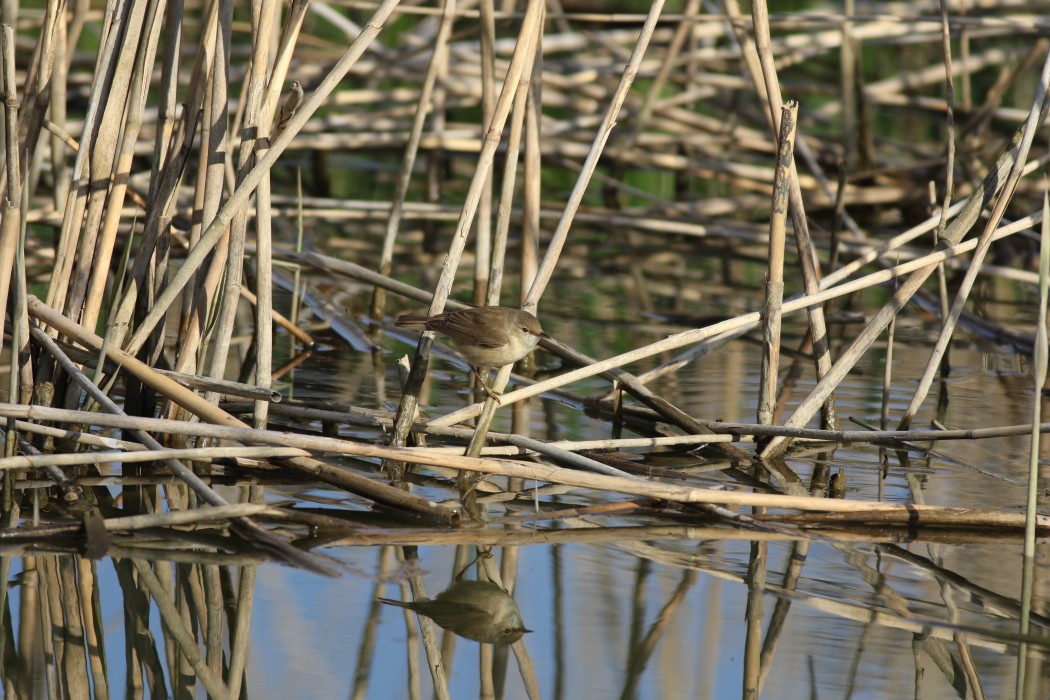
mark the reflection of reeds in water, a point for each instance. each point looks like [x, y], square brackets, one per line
[153, 177]
[62, 630]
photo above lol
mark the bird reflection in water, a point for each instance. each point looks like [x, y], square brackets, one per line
[478, 610]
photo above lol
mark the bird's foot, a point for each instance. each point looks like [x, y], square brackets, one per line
[489, 391]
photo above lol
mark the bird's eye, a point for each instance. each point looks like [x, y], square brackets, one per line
[525, 328]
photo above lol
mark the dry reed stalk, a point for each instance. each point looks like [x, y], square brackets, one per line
[10, 207]
[277, 317]
[35, 95]
[1035, 118]
[76, 437]
[228, 287]
[230, 388]
[57, 113]
[561, 232]
[807, 255]
[120, 165]
[507, 187]
[397, 206]
[1039, 372]
[531, 26]
[263, 18]
[483, 261]
[246, 527]
[179, 518]
[192, 454]
[204, 409]
[728, 432]
[101, 147]
[949, 87]
[739, 323]
[887, 375]
[774, 287]
[201, 305]
[850, 52]
[264, 253]
[240, 196]
[609, 483]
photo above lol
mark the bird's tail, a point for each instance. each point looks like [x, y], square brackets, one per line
[416, 323]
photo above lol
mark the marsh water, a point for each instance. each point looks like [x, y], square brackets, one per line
[618, 606]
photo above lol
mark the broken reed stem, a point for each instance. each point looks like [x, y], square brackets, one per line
[806, 251]
[774, 291]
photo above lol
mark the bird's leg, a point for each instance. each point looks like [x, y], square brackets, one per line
[489, 391]
[481, 554]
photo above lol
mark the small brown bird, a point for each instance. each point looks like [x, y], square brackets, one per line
[486, 336]
[288, 108]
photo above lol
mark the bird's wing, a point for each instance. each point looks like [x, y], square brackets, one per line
[456, 328]
[465, 616]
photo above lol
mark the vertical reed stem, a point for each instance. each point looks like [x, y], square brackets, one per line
[1039, 370]
[775, 267]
